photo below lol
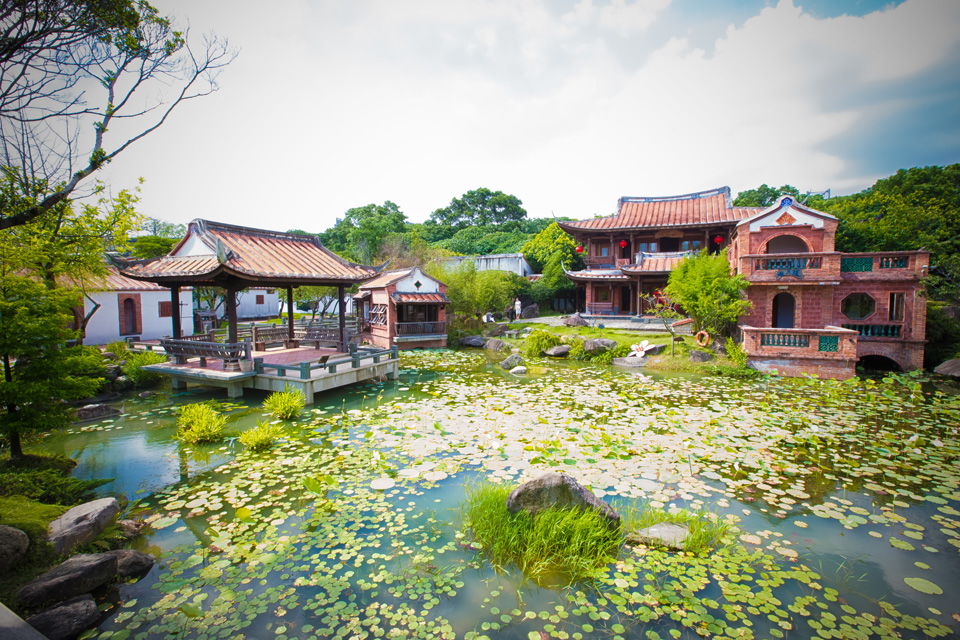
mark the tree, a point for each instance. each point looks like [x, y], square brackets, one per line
[479, 207]
[764, 196]
[704, 287]
[665, 308]
[473, 292]
[362, 230]
[152, 246]
[163, 229]
[67, 67]
[475, 241]
[552, 241]
[313, 297]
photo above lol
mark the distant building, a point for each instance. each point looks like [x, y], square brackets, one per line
[815, 310]
[406, 308]
[511, 262]
[131, 309]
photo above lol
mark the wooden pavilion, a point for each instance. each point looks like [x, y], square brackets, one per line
[234, 258]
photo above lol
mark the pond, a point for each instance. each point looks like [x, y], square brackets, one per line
[845, 501]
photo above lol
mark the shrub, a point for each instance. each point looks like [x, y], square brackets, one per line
[118, 348]
[539, 341]
[736, 353]
[261, 437]
[38, 462]
[943, 336]
[708, 292]
[573, 543]
[49, 486]
[199, 423]
[132, 369]
[619, 351]
[576, 350]
[286, 404]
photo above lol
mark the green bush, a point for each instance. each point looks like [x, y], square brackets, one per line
[49, 486]
[943, 336]
[704, 286]
[539, 341]
[199, 423]
[619, 351]
[261, 437]
[736, 353]
[118, 348]
[573, 544]
[286, 404]
[38, 462]
[132, 369]
[576, 349]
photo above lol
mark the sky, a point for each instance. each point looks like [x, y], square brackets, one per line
[566, 104]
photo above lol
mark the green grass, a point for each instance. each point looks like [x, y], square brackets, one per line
[139, 377]
[286, 404]
[559, 546]
[32, 518]
[707, 530]
[261, 437]
[200, 423]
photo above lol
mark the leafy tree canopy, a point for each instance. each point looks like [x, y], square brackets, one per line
[144, 247]
[552, 241]
[472, 292]
[473, 241]
[361, 231]
[704, 287]
[480, 207]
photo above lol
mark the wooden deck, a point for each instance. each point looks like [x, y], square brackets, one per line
[299, 368]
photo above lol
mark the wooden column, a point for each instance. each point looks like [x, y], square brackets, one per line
[175, 312]
[290, 313]
[231, 315]
[343, 321]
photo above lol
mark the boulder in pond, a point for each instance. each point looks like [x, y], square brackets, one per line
[576, 320]
[67, 620]
[519, 371]
[472, 341]
[663, 534]
[598, 345]
[559, 351]
[557, 490]
[95, 412]
[496, 344]
[512, 361]
[81, 573]
[949, 368]
[129, 529]
[13, 544]
[131, 562]
[630, 361]
[82, 524]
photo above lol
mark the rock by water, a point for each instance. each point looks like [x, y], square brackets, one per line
[13, 544]
[68, 620]
[82, 524]
[80, 574]
[558, 490]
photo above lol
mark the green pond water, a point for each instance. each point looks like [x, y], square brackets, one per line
[845, 499]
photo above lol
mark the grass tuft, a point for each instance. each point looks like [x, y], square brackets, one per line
[139, 377]
[261, 437]
[200, 423]
[707, 530]
[286, 404]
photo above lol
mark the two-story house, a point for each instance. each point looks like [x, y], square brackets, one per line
[815, 310]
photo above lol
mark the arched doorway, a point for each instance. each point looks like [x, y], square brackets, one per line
[787, 244]
[879, 363]
[783, 308]
[129, 317]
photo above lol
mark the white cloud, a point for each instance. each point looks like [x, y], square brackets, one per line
[333, 105]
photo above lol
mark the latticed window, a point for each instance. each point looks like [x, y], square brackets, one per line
[829, 343]
[856, 265]
[378, 314]
[857, 306]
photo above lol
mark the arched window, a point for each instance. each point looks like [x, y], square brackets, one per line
[783, 308]
[787, 244]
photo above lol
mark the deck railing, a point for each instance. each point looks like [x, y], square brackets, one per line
[304, 370]
[829, 342]
[876, 330]
[795, 266]
[420, 328]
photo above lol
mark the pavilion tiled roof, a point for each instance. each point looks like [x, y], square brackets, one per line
[212, 250]
[112, 280]
[691, 209]
[420, 298]
[656, 263]
[595, 275]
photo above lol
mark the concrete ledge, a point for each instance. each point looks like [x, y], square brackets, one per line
[13, 627]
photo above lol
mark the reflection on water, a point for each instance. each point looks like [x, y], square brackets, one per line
[845, 497]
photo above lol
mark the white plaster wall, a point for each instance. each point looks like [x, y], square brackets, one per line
[247, 306]
[428, 285]
[104, 326]
[193, 246]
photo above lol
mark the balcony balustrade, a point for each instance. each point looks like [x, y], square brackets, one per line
[420, 328]
[876, 330]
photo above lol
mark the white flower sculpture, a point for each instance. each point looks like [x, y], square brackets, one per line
[640, 350]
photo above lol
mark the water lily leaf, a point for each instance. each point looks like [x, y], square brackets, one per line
[163, 523]
[190, 610]
[245, 515]
[923, 586]
[383, 483]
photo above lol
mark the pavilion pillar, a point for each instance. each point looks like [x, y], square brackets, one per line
[343, 320]
[290, 313]
[175, 312]
[231, 315]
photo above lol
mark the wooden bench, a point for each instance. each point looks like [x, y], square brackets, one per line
[183, 349]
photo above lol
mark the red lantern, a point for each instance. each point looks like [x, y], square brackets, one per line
[718, 239]
[580, 248]
[623, 244]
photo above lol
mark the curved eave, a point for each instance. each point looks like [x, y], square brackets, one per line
[605, 230]
[221, 273]
[578, 276]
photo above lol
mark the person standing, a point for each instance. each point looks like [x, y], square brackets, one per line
[516, 308]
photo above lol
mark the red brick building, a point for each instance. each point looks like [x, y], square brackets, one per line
[406, 308]
[815, 311]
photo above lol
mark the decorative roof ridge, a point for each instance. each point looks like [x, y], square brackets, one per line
[204, 225]
[695, 195]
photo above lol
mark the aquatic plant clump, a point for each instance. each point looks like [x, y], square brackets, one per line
[261, 437]
[133, 367]
[539, 341]
[558, 545]
[286, 404]
[200, 423]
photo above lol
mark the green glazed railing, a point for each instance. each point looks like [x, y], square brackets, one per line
[894, 262]
[787, 264]
[875, 330]
[784, 340]
[856, 265]
[830, 343]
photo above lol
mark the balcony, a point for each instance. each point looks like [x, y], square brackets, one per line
[604, 262]
[419, 329]
[886, 265]
[829, 352]
[876, 330]
[813, 268]
[789, 267]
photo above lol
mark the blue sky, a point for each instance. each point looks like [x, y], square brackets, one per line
[567, 105]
